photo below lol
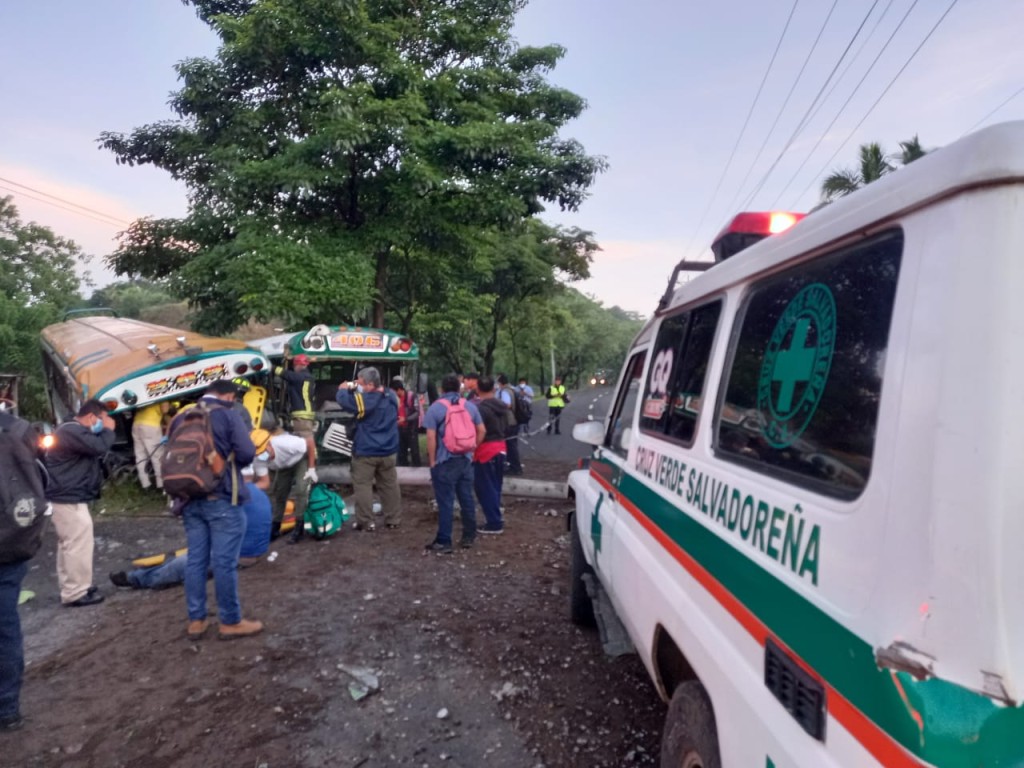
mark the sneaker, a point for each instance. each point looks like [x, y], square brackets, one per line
[438, 548]
[120, 579]
[11, 723]
[367, 527]
[196, 629]
[392, 526]
[89, 598]
[467, 543]
[244, 628]
[491, 530]
[296, 535]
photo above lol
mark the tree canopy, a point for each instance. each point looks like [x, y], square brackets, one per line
[37, 283]
[874, 164]
[337, 151]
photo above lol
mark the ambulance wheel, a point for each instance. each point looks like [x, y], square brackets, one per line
[690, 739]
[581, 609]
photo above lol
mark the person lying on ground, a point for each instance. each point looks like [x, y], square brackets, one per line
[255, 542]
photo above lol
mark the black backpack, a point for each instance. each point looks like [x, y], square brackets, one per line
[522, 406]
[22, 491]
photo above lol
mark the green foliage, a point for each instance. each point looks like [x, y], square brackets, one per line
[129, 298]
[335, 143]
[37, 283]
[874, 164]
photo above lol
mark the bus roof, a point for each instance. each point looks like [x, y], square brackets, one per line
[99, 352]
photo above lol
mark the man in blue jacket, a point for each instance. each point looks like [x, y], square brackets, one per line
[375, 452]
[214, 526]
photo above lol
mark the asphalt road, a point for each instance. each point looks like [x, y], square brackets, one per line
[585, 404]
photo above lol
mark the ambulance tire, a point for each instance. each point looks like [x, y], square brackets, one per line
[581, 609]
[690, 739]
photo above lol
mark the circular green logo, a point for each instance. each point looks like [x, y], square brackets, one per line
[796, 365]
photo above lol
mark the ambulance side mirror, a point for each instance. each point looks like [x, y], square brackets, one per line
[589, 432]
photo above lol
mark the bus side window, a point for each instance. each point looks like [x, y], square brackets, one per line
[625, 406]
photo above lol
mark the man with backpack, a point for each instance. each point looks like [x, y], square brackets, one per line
[22, 510]
[375, 450]
[212, 513]
[507, 397]
[76, 477]
[454, 429]
[524, 405]
[489, 458]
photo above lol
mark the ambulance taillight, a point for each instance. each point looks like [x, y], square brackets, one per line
[751, 227]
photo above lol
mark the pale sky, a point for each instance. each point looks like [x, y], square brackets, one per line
[669, 85]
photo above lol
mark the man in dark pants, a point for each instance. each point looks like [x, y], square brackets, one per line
[489, 458]
[20, 538]
[214, 526]
[451, 474]
[408, 425]
[556, 402]
[508, 399]
[375, 452]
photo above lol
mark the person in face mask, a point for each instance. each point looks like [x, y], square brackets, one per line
[76, 476]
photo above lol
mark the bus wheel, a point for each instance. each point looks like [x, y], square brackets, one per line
[690, 739]
[581, 609]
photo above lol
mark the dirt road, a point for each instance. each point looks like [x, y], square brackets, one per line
[476, 662]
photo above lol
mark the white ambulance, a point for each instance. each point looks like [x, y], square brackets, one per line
[806, 503]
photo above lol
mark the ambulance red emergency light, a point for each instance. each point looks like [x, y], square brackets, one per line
[743, 231]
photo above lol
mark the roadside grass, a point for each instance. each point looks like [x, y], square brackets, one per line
[124, 497]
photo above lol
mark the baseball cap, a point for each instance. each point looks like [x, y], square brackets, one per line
[300, 360]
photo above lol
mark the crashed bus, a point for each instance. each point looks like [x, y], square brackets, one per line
[127, 364]
[336, 354]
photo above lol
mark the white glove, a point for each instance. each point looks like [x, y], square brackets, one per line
[311, 475]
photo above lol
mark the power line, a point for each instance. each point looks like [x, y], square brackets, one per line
[746, 122]
[804, 120]
[61, 200]
[846, 103]
[879, 99]
[853, 60]
[1015, 94]
[782, 109]
[62, 207]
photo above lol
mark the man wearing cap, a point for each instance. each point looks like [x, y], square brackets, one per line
[375, 451]
[291, 463]
[300, 385]
[215, 525]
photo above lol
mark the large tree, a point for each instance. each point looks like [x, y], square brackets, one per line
[331, 141]
[38, 282]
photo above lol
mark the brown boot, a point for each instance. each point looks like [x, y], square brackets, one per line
[244, 628]
[196, 629]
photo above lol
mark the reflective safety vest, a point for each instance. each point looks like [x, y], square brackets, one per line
[556, 395]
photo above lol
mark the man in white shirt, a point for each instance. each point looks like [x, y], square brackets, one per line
[289, 459]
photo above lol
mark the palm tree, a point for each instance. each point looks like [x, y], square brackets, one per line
[910, 151]
[873, 166]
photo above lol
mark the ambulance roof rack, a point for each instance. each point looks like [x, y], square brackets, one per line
[743, 231]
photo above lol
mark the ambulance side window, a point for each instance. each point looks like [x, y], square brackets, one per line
[673, 397]
[803, 386]
[625, 404]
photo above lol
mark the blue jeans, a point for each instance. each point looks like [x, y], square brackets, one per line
[214, 530]
[161, 576]
[12, 649]
[452, 478]
[487, 479]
